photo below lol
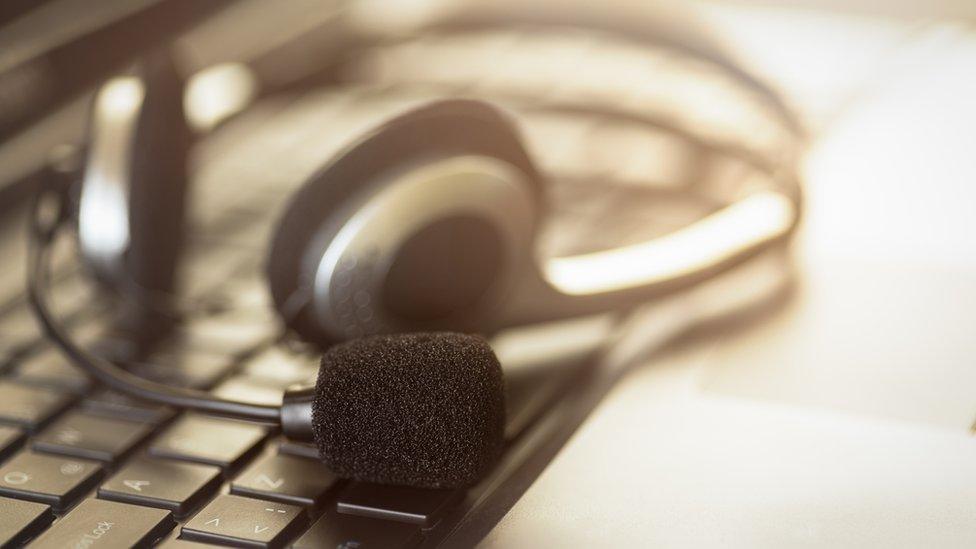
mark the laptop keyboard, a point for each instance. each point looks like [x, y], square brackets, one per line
[111, 472]
[81, 466]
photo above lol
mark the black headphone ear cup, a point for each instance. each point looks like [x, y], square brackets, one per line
[439, 130]
[131, 195]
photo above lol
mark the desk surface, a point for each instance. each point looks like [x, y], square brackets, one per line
[844, 420]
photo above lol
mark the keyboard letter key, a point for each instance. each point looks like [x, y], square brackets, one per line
[179, 487]
[285, 478]
[53, 480]
[30, 407]
[209, 441]
[81, 435]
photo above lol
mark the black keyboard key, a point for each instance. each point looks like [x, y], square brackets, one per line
[10, 441]
[119, 348]
[196, 371]
[71, 293]
[209, 441]
[21, 520]
[178, 487]
[285, 478]
[18, 329]
[400, 503]
[301, 449]
[280, 367]
[50, 369]
[249, 390]
[227, 334]
[53, 480]
[81, 435]
[349, 531]
[245, 522]
[112, 404]
[96, 523]
[30, 407]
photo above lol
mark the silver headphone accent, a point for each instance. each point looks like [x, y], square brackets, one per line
[103, 209]
[358, 255]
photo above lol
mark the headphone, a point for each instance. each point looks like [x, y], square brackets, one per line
[425, 225]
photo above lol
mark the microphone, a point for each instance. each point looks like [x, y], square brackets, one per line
[424, 409]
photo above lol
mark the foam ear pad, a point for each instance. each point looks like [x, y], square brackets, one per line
[442, 129]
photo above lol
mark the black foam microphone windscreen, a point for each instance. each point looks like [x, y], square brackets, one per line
[425, 410]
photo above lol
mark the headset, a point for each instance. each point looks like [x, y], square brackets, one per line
[424, 226]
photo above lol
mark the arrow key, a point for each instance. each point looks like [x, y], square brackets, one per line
[179, 487]
[245, 522]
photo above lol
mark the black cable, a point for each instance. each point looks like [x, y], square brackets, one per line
[42, 236]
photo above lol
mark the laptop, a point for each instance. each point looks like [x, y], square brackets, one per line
[699, 437]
